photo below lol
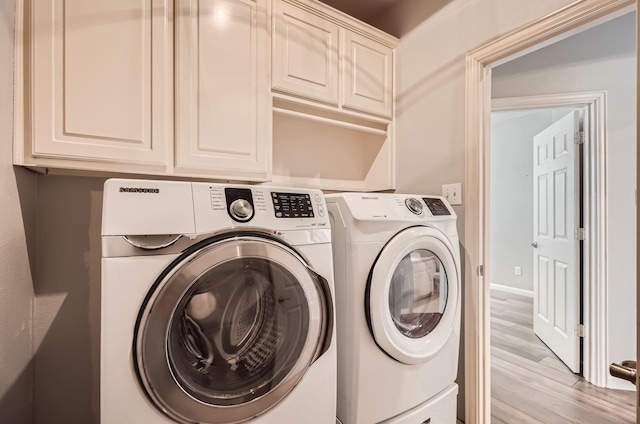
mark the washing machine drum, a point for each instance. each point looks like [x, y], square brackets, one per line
[230, 329]
[412, 296]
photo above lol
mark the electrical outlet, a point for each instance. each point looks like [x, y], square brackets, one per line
[518, 270]
[453, 193]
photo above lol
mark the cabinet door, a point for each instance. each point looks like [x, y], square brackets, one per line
[368, 75]
[305, 57]
[222, 93]
[100, 81]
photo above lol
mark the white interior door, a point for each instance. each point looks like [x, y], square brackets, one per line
[556, 275]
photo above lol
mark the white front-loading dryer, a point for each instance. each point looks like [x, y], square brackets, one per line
[397, 279]
[217, 304]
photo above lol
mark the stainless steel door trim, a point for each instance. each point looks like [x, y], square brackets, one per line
[118, 246]
[325, 291]
[151, 343]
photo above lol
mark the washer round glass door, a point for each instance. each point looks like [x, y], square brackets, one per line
[230, 329]
[413, 294]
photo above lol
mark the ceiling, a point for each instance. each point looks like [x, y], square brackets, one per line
[363, 10]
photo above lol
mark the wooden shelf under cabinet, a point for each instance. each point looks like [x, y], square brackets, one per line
[322, 150]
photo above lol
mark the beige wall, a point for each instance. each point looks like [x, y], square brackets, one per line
[49, 280]
[67, 313]
[431, 85]
[17, 224]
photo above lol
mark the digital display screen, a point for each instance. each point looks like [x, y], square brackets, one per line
[436, 206]
[292, 205]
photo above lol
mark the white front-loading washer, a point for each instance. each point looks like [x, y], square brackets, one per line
[397, 279]
[217, 304]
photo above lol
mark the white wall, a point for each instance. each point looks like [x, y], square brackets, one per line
[511, 195]
[430, 85]
[603, 58]
[17, 224]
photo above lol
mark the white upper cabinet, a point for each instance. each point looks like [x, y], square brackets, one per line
[222, 89]
[325, 56]
[98, 83]
[368, 75]
[101, 89]
[305, 59]
[287, 91]
[333, 99]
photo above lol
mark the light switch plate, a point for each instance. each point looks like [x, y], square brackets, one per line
[453, 193]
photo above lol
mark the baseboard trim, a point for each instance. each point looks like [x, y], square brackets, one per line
[512, 290]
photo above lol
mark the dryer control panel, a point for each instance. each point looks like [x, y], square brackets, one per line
[396, 207]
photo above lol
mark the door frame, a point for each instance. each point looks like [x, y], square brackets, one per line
[594, 266]
[561, 24]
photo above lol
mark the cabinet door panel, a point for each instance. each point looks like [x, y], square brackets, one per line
[368, 75]
[98, 66]
[305, 59]
[222, 89]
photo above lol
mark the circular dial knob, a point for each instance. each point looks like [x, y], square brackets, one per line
[241, 210]
[414, 205]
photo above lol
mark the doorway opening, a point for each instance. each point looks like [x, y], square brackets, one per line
[568, 21]
[589, 212]
[535, 201]
[522, 280]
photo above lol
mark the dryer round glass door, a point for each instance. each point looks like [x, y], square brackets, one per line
[413, 295]
[418, 293]
[230, 329]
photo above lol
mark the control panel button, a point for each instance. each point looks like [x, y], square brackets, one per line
[241, 210]
[292, 205]
[320, 210]
[436, 206]
[414, 205]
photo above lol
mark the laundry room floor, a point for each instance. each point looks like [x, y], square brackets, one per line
[529, 384]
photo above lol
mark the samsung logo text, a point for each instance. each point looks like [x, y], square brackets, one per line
[139, 190]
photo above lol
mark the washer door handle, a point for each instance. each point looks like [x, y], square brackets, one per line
[152, 242]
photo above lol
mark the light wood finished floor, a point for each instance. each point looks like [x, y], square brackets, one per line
[529, 384]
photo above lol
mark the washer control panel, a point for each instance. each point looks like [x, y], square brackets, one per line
[275, 208]
[292, 205]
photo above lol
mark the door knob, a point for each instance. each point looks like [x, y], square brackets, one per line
[534, 244]
[626, 370]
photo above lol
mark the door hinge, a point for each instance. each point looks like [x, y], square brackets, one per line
[480, 270]
[579, 137]
[579, 233]
[580, 330]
